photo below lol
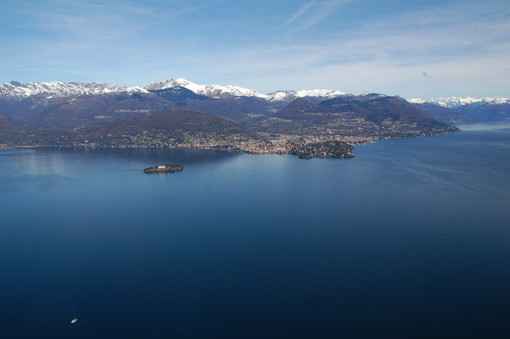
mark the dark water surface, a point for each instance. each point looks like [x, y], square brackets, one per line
[411, 238]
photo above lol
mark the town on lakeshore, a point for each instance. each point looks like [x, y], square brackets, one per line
[304, 146]
[174, 114]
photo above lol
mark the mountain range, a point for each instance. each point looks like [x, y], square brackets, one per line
[456, 102]
[465, 110]
[73, 104]
[366, 116]
[235, 103]
[17, 91]
[180, 112]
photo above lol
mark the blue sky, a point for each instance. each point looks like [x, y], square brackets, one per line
[408, 48]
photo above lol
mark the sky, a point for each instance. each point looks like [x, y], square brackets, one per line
[424, 49]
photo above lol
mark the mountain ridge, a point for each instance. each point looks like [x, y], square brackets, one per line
[356, 118]
[255, 125]
[19, 91]
[457, 102]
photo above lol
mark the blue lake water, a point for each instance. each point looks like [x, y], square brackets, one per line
[411, 238]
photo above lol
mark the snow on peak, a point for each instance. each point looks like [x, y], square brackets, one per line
[20, 91]
[167, 84]
[58, 89]
[136, 89]
[416, 101]
[293, 94]
[456, 102]
[220, 91]
[215, 91]
[366, 94]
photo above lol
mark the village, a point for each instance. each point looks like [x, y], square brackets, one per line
[304, 146]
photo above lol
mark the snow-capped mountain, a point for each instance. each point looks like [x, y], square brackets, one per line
[456, 102]
[217, 91]
[214, 91]
[293, 94]
[20, 91]
[61, 89]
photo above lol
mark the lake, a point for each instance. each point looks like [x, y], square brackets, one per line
[411, 238]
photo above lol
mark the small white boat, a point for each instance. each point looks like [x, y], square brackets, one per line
[74, 321]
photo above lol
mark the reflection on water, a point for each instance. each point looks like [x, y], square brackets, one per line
[152, 156]
[53, 169]
[38, 181]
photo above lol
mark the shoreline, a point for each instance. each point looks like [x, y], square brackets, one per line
[319, 148]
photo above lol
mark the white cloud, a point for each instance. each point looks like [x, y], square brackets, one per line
[314, 12]
[462, 53]
[462, 48]
[299, 13]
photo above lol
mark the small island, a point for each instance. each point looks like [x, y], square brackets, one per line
[167, 168]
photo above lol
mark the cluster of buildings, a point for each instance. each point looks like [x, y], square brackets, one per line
[305, 145]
